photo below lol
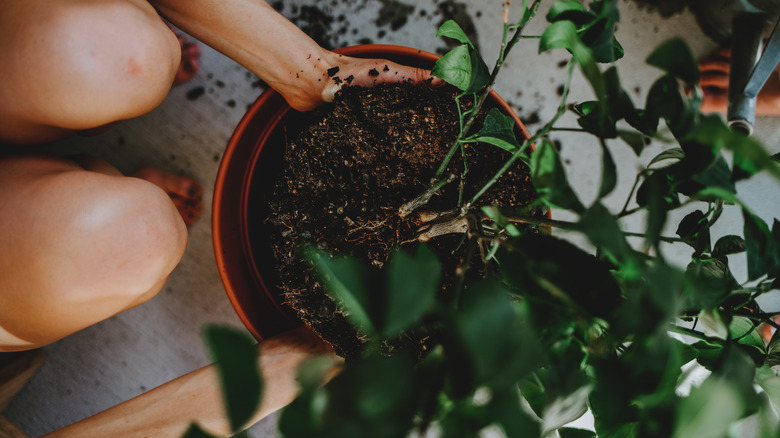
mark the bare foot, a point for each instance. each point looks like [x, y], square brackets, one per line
[714, 82]
[186, 193]
[190, 52]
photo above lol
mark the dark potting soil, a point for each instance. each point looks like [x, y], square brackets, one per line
[346, 176]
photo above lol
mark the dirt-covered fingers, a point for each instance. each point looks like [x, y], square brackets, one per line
[371, 72]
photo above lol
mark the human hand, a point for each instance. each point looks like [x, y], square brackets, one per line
[369, 72]
[363, 72]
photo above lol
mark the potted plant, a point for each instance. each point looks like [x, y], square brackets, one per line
[556, 330]
[277, 188]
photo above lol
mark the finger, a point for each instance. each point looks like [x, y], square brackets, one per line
[369, 73]
[385, 71]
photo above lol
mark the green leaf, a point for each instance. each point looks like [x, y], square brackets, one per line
[664, 100]
[546, 267]
[565, 409]
[347, 282]
[676, 58]
[498, 130]
[717, 174]
[603, 230]
[709, 193]
[563, 9]
[711, 282]
[194, 431]
[463, 68]
[480, 73]
[506, 409]
[549, 178]
[313, 372]
[657, 194]
[769, 381]
[727, 245]
[451, 29]
[373, 393]
[533, 391]
[563, 35]
[676, 154]
[593, 119]
[608, 172]
[235, 355]
[694, 230]
[587, 62]
[497, 343]
[709, 353]
[612, 400]
[709, 410]
[599, 35]
[773, 354]
[413, 283]
[774, 271]
[636, 140]
[559, 35]
[750, 156]
[760, 246]
[743, 330]
[455, 67]
[568, 432]
[496, 216]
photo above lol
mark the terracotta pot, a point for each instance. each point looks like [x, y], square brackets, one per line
[249, 165]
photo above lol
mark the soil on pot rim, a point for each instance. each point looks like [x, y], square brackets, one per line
[346, 175]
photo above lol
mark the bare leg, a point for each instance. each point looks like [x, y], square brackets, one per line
[73, 65]
[78, 246]
[169, 409]
[715, 85]
[185, 192]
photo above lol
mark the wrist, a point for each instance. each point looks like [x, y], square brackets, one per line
[307, 80]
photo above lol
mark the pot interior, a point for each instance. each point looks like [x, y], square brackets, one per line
[251, 164]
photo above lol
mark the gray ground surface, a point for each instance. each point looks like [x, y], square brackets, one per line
[160, 340]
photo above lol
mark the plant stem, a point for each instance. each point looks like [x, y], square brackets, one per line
[569, 129]
[573, 226]
[423, 198]
[504, 50]
[693, 333]
[660, 238]
[624, 211]
[519, 152]
[542, 132]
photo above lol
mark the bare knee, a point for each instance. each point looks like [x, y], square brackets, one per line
[80, 247]
[128, 232]
[83, 63]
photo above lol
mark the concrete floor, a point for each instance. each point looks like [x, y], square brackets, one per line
[160, 340]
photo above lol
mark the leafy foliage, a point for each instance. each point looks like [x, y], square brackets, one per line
[235, 354]
[559, 331]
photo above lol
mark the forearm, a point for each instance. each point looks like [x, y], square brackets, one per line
[168, 410]
[256, 36]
